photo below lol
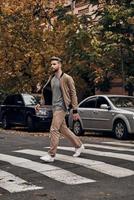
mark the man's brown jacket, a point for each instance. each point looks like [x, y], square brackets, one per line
[68, 91]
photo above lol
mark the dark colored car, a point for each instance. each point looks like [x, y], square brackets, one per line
[19, 110]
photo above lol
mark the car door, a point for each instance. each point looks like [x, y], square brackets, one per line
[8, 111]
[19, 109]
[102, 118]
[85, 110]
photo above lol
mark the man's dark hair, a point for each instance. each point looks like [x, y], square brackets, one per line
[56, 58]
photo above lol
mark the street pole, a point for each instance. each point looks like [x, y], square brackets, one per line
[122, 70]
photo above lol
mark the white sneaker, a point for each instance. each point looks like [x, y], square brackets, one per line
[47, 158]
[78, 151]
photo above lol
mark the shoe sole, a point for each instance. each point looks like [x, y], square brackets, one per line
[48, 161]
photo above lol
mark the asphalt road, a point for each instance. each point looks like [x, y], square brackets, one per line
[105, 171]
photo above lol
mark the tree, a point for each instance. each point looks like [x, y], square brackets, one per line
[129, 86]
[33, 31]
[114, 36]
[21, 40]
[69, 38]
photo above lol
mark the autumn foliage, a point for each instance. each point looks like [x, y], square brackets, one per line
[31, 31]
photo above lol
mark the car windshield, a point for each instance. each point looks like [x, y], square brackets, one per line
[125, 102]
[29, 99]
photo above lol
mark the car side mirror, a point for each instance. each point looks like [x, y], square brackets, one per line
[105, 106]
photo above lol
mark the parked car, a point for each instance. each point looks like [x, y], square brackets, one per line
[19, 110]
[110, 113]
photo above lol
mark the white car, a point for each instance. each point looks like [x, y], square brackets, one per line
[110, 113]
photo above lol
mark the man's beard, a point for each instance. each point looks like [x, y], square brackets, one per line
[53, 71]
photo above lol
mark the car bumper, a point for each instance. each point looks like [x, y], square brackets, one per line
[131, 126]
[42, 122]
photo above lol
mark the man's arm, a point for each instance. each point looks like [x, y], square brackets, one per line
[74, 99]
[37, 107]
[73, 95]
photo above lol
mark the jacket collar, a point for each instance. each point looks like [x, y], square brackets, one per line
[62, 74]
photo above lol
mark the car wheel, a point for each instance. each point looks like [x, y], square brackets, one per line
[77, 128]
[29, 123]
[120, 130]
[5, 123]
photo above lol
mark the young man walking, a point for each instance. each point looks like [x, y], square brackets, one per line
[60, 87]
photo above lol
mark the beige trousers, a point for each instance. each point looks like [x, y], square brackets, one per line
[59, 127]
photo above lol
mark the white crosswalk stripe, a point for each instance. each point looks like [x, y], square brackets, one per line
[101, 153]
[120, 144]
[109, 147]
[50, 171]
[13, 183]
[102, 167]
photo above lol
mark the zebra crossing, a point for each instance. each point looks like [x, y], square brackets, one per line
[13, 183]
[117, 150]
